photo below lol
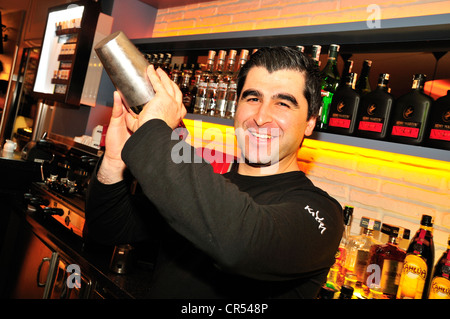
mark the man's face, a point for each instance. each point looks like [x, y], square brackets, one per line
[271, 118]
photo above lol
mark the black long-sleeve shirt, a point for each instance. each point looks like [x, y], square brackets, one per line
[227, 235]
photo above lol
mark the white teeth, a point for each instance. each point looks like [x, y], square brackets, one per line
[261, 135]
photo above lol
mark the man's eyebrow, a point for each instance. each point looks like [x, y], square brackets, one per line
[253, 92]
[287, 97]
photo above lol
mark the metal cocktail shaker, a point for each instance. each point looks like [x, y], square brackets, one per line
[127, 69]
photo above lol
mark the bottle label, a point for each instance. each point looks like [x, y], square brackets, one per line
[437, 134]
[370, 126]
[412, 281]
[337, 122]
[440, 288]
[390, 276]
[406, 131]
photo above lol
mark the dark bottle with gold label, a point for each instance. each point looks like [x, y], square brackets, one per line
[374, 111]
[418, 263]
[438, 135]
[440, 284]
[344, 108]
[410, 115]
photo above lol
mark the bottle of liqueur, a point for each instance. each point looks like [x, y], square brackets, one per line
[213, 83]
[341, 254]
[410, 115]
[223, 84]
[195, 81]
[330, 81]
[363, 85]
[374, 111]
[344, 108]
[348, 66]
[200, 97]
[186, 91]
[389, 259]
[440, 284]
[315, 54]
[418, 264]
[359, 249]
[439, 128]
[231, 96]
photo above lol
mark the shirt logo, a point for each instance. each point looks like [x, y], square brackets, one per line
[319, 220]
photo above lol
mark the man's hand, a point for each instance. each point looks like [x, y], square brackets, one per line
[112, 167]
[167, 104]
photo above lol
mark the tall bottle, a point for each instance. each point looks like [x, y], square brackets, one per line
[438, 134]
[388, 259]
[344, 108]
[440, 284]
[315, 54]
[201, 94]
[348, 67]
[410, 115]
[418, 264]
[363, 84]
[330, 81]
[359, 248]
[213, 83]
[374, 111]
[231, 96]
[186, 90]
[223, 84]
[341, 254]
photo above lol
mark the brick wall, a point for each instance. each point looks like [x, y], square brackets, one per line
[240, 15]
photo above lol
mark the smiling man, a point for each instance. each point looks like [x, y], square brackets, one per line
[263, 230]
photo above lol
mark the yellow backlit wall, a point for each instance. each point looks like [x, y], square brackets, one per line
[393, 188]
[242, 15]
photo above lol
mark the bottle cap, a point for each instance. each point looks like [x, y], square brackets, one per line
[346, 292]
[211, 55]
[326, 293]
[370, 223]
[383, 79]
[348, 212]
[427, 220]
[222, 55]
[232, 55]
[300, 48]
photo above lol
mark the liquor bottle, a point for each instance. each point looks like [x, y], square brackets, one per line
[332, 278]
[159, 61]
[231, 96]
[166, 63]
[359, 248]
[329, 83]
[410, 115]
[346, 292]
[195, 81]
[348, 66]
[315, 54]
[213, 83]
[363, 85]
[418, 264]
[326, 293]
[341, 254]
[200, 98]
[223, 84]
[176, 74]
[344, 108]
[374, 111]
[440, 284]
[186, 91]
[388, 259]
[438, 135]
[209, 69]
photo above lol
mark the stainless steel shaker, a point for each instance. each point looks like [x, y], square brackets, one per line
[127, 69]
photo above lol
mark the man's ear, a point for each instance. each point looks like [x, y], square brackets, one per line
[310, 125]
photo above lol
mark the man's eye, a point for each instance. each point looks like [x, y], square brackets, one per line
[252, 99]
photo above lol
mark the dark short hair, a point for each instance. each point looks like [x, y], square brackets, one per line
[285, 58]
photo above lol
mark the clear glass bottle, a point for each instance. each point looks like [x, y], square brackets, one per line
[389, 259]
[410, 115]
[223, 84]
[374, 111]
[200, 98]
[440, 284]
[363, 84]
[186, 91]
[359, 249]
[231, 95]
[418, 264]
[344, 108]
[341, 254]
[330, 80]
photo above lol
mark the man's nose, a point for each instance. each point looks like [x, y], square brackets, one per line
[263, 114]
